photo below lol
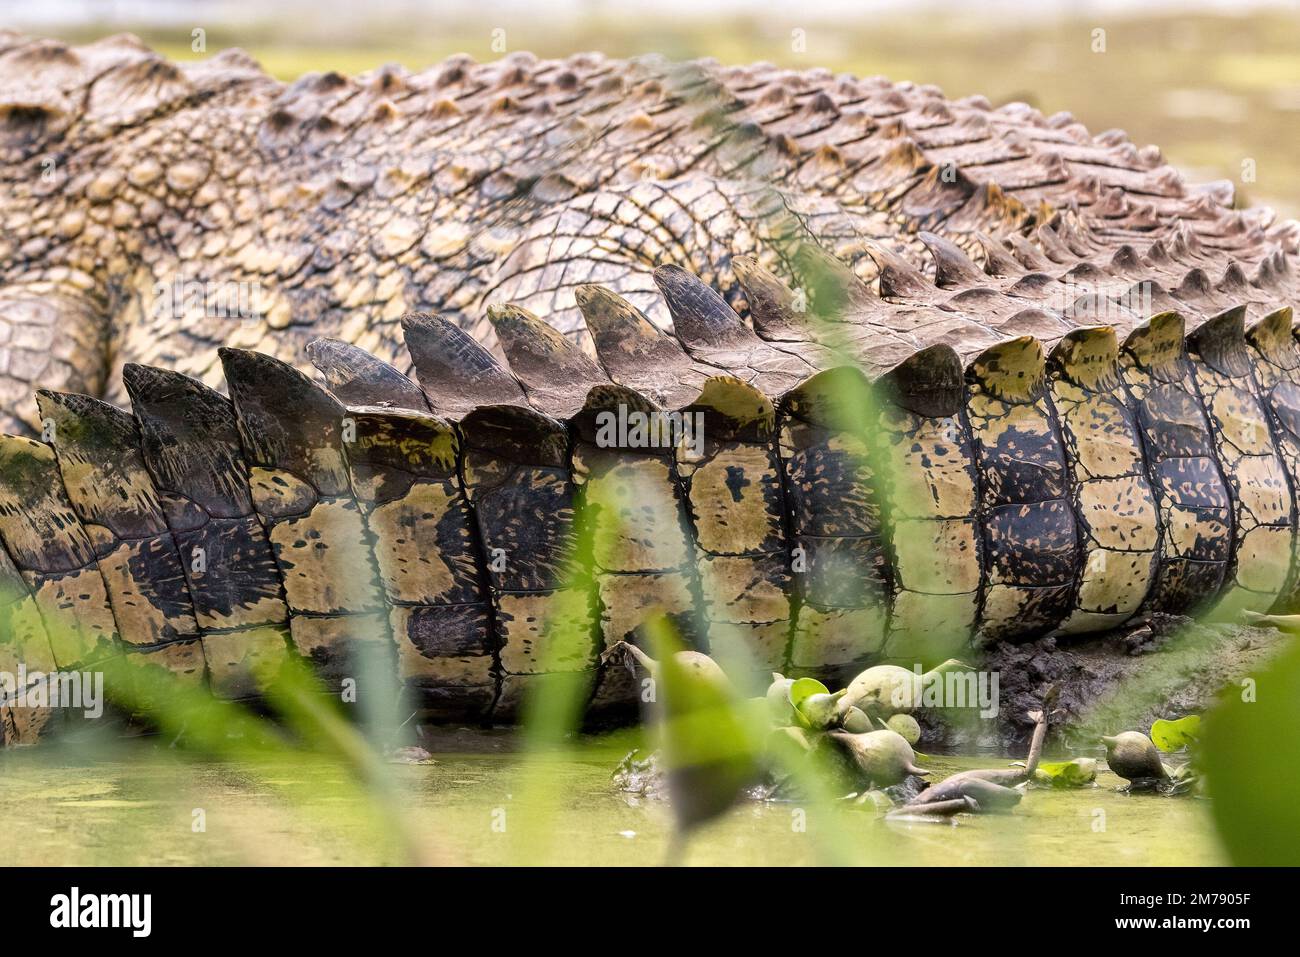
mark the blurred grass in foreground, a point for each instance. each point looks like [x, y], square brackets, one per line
[1252, 764]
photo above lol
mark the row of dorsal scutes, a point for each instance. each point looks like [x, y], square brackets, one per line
[818, 503]
[405, 487]
[1078, 441]
[1072, 476]
[1201, 480]
[121, 536]
[881, 459]
[253, 501]
[673, 479]
[825, 588]
[877, 477]
[592, 499]
[516, 527]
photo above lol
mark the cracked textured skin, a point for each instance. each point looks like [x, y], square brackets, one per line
[966, 375]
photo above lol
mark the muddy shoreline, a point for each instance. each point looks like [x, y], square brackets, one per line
[1117, 681]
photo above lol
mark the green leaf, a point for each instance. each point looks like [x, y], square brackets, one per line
[1067, 774]
[804, 688]
[1250, 756]
[1172, 736]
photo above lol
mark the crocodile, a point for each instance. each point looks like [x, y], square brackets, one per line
[327, 370]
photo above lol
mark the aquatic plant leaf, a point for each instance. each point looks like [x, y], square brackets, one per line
[1183, 779]
[1172, 736]
[1251, 762]
[1067, 774]
[805, 688]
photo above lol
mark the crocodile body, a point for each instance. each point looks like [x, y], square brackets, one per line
[964, 375]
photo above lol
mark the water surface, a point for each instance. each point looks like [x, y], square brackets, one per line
[485, 805]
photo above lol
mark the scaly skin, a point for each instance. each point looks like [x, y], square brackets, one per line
[1039, 385]
[340, 204]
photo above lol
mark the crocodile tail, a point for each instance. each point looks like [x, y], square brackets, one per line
[901, 482]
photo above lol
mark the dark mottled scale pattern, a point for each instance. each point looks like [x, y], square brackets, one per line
[1192, 500]
[737, 505]
[515, 466]
[103, 471]
[838, 561]
[190, 444]
[1255, 475]
[293, 435]
[404, 474]
[47, 543]
[1030, 535]
[1275, 365]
